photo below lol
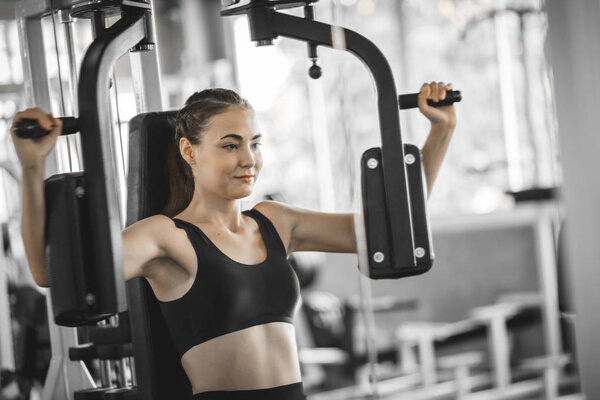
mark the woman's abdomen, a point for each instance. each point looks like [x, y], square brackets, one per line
[258, 357]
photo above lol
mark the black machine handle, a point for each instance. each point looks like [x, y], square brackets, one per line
[406, 101]
[28, 128]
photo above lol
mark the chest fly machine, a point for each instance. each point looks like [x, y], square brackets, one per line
[396, 227]
[85, 263]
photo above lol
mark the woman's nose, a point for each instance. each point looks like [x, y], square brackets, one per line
[248, 158]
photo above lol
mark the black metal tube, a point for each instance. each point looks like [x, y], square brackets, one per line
[106, 264]
[397, 193]
[97, 23]
[309, 13]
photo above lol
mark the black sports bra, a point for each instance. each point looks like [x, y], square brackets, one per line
[228, 296]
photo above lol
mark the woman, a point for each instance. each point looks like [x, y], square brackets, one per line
[221, 275]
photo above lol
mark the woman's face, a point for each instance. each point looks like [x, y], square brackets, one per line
[229, 149]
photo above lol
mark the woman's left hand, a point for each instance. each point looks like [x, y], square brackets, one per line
[441, 116]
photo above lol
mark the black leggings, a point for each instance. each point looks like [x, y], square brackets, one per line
[293, 391]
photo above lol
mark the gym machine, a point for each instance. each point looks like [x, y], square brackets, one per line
[85, 265]
[393, 186]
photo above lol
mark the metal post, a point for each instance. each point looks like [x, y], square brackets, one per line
[7, 356]
[546, 250]
[73, 140]
[64, 376]
[427, 358]
[500, 350]
[572, 31]
[33, 59]
[509, 108]
[531, 133]
[145, 72]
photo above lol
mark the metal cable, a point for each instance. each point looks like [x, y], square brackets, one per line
[365, 290]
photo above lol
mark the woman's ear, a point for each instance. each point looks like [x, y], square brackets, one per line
[187, 150]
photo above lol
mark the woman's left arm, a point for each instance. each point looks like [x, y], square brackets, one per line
[443, 121]
[307, 230]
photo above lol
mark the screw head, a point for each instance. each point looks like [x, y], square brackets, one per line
[378, 257]
[409, 159]
[90, 299]
[420, 252]
[372, 163]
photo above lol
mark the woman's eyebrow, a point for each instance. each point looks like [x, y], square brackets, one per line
[238, 137]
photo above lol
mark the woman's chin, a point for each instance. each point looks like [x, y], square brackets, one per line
[241, 194]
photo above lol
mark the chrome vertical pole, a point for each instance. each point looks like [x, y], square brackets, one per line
[64, 376]
[7, 356]
[572, 31]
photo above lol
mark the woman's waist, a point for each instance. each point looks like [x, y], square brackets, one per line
[293, 391]
[261, 356]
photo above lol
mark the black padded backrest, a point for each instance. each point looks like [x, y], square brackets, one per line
[159, 373]
[150, 138]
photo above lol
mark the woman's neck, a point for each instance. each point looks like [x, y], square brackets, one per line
[216, 212]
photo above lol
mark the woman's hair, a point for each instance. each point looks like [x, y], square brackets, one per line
[191, 122]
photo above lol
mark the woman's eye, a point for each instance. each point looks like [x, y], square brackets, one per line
[233, 146]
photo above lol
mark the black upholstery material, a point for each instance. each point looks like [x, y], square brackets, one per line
[82, 293]
[159, 373]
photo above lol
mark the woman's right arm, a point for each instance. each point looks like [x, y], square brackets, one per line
[32, 156]
[32, 222]
[141, 241]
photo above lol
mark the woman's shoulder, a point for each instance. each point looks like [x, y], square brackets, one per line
[145, 241]
[282, 215]
[273, 210]
[279, 216]
[158, 221]
[278, 210]
[153, 227]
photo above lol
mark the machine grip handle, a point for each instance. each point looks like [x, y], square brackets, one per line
[406, 101]
[28, 128]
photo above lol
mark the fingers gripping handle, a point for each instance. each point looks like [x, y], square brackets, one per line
[28, 128]
[406, 101]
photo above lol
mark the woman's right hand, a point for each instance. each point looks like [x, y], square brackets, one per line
[32, 152]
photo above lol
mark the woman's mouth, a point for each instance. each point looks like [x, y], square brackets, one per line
[245, 178]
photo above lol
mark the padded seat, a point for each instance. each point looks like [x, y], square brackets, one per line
[158, 369]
